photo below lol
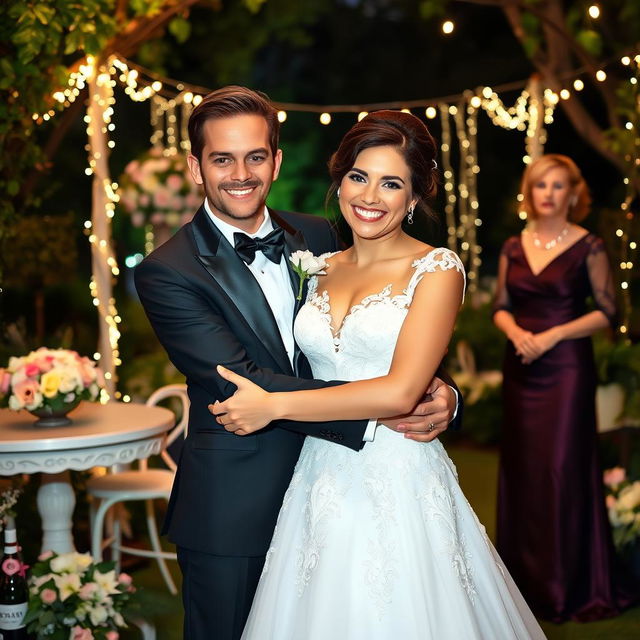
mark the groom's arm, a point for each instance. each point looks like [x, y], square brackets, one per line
[197, 337]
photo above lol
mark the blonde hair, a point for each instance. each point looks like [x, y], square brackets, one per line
[580, 202]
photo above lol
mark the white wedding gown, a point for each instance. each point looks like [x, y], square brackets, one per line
[379, 544]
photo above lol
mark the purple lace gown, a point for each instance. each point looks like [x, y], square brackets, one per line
[553, 532]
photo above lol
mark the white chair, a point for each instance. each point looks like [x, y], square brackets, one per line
[138, 484]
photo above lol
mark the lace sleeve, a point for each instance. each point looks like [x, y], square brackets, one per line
[501, 300]
[439, 258]
[601, 280]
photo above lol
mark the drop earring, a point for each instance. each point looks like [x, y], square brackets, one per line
[338, 192]
[412, 206]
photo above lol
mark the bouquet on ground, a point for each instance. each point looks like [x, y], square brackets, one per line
[49, 378]
[157, 189]
[623, 505]
[73, 598]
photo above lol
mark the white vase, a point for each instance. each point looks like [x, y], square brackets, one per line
[609, 405]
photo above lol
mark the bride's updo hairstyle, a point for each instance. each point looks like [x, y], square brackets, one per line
[402, 131]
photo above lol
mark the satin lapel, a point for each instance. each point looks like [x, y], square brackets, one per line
[229, 271]
[293, 241]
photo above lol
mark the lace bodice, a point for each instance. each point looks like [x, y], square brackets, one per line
[362, 347]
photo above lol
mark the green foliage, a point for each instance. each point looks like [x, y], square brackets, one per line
[591, 41]
[36, 39]
[620, 362]
[533, 38]
[180, 29]
[39, 251]
[432, 9]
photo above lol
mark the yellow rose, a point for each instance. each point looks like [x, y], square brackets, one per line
[49, 384]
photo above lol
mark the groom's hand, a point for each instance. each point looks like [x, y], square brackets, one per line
[431, 417]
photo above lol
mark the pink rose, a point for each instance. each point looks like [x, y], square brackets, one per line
[88, 590]
[31, 370]
[45, 555]
[193, 200]
[48, 596]
[615, 476]
[78, 633]
[5, 379]
[26, 390]
[137, 219]
[176, 203]
[175, 182]
[161, 198]
[112, 635]
[610, 502]
[44, 361]
[125, 579]
[144, 200]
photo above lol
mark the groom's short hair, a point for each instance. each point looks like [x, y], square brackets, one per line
[227, 102]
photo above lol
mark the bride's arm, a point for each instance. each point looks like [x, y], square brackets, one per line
[421, 345]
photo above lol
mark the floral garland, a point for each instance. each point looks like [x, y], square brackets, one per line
[158, 189]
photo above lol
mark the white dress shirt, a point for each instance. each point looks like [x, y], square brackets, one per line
[276, 285]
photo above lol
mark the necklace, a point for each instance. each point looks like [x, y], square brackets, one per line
[552, 243]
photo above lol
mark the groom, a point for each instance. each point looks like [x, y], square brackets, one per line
[221, 291]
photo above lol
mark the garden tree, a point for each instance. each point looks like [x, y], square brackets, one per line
[41, 43]
[564, 40]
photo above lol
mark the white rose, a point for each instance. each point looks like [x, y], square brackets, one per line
[307, 262]
[626, 517]
[14, 403]
[15, 363]
[629, 497]
[37, 402]
[70, 379]
[98, 614]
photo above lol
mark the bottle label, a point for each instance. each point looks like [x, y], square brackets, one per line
[11, 566]
[12, 615]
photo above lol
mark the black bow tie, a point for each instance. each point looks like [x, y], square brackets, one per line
[272, 245]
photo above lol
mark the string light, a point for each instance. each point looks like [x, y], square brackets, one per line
[362, 114]
[594, 11]
[171, 105]
[447, 27]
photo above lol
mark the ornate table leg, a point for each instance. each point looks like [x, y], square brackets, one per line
[56, 502]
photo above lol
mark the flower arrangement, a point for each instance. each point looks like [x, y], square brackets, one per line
[73, 598]
[623, 505]
[305, 264]
[8, 500]
[157, 189]
[49, 378]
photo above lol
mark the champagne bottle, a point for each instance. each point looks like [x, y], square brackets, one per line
[14, 592]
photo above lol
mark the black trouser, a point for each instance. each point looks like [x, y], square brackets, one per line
[217, 592]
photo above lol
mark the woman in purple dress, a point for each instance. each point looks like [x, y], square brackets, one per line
[553, 532]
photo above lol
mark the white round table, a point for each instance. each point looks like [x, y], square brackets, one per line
[100, 435]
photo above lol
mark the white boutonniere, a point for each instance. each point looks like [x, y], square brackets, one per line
[305, 264]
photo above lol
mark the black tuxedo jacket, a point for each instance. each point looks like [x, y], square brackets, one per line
[207, 309]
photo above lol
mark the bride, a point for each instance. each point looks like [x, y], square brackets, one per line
[382, 543]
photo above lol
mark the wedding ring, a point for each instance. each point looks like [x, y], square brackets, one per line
[431, 428]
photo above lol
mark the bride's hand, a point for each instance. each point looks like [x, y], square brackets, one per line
[249, 409]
